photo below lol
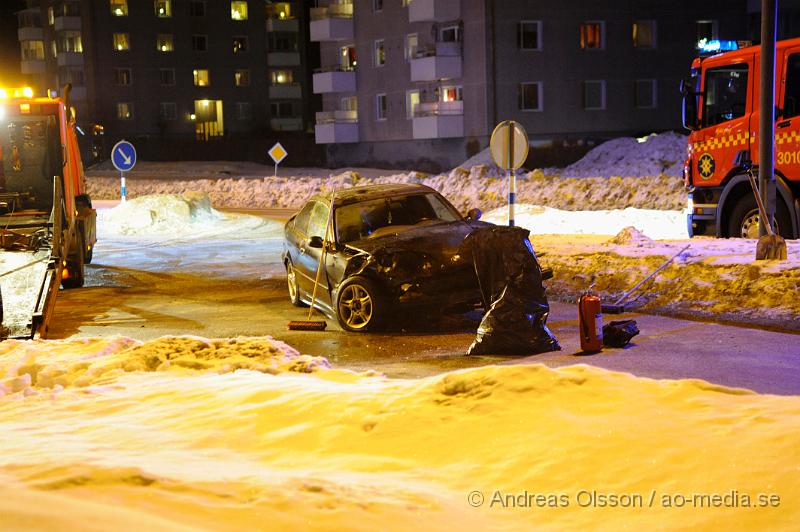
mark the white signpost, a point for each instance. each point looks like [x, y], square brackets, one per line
[509, 147]
[278, 154]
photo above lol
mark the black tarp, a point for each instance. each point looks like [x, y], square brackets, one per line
[511, 286]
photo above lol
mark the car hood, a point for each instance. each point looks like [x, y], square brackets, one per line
[443, 239]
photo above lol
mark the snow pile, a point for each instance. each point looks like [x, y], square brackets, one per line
[650, 156]
[27, 368]
[20, 289]
[540, 220]
[332, 450]
[630, 236]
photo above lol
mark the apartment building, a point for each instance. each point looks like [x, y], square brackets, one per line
[423, 82]
[173, 69]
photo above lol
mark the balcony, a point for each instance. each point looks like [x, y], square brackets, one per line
[283, 58]
[30, 34]
[286, 124]
[334, 79]
[67, 23]
[332, 23]
[336, 127]
[434, 10]
[33, 66]
[286, 91]
[440, 62]
[69, 59]
[438, 120]
[283, 24]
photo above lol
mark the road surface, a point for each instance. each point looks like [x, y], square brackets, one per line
[229, 285]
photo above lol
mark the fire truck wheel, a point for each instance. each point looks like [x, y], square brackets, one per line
[743, 222]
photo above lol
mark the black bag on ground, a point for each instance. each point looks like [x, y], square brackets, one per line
[619, 333]
[510, 280]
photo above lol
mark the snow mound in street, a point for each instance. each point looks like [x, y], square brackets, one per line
[659, 225]
[235, 450]
[165, 213]
[626, 157]
[631, 236]
[89, 362]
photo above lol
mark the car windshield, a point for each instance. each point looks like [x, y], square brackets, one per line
[380, 216]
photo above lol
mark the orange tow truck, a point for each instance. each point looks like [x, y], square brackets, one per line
[47, 223]
[721, 109]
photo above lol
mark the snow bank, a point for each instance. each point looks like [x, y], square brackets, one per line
[20, 289]
[653, 155]
[469, 449]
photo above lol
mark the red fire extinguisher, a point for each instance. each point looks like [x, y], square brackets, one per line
[590, 323]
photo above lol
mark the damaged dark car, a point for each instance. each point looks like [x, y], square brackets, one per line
[392, 249]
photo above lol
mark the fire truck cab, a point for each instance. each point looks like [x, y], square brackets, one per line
[721, 109]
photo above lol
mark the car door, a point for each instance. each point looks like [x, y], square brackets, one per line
[787, 140]
[308, 257]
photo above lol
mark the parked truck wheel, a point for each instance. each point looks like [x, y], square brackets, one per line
[75, 266]
[744, 219]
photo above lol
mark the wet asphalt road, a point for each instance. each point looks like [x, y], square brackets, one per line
[223, 288]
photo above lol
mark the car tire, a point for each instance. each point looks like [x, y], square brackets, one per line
[743, 222]
[360, 305]
[294, 288]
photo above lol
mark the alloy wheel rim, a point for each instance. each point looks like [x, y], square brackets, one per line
[355, 306]
[750, 225]
[290, 279]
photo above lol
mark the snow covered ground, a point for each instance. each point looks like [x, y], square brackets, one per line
[234, 434]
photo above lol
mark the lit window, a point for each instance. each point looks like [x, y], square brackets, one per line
[51, 17]
[348, 61]
[377, 5]
[451, 94]
[125, 110]
[530, 96]
[412, 44]
[239, 44]
[163, 8]
[166, 76]
[197, 8]
[592, 37]
[122, 42]
[243, 111]
[241, 78]
[201, 78]
[644, 34]
[594, 95]
[412, 101]
[119, 8]
[380, 53]
[279, 10]
[123, 76]
[281, 77]
[239, 10]
[380, 107]
[70, 41]
[164, 42]
[32, 50]
[199, 43]
[707, 30]
[646, 93]
[529, 35]
[404, 3]
[167, 111]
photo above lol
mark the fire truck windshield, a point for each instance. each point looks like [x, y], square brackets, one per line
[725, 94]
[30, 156]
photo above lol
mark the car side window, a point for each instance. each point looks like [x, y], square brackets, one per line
[301, 220]
[318, 221]
[725, 94]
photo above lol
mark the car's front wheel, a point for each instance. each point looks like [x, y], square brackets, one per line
[294, 289]
[360, 305]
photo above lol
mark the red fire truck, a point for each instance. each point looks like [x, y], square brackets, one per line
[721, 109]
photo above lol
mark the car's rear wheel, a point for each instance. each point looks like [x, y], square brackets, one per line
[360, 305]
[294, 289]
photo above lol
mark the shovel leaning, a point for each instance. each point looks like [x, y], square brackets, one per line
[770, 246]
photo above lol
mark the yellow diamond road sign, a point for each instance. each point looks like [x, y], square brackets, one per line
[278, 153]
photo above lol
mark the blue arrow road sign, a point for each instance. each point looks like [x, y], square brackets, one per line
[123, 156]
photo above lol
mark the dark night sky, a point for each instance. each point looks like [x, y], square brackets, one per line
[9, 46]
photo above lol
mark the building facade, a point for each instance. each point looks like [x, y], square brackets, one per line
[421, 83]
[174, 69]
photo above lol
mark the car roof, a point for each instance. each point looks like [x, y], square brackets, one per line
[346, 196]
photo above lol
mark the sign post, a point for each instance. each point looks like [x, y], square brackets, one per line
[509, 147]
[123, 157]
[278, 154]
